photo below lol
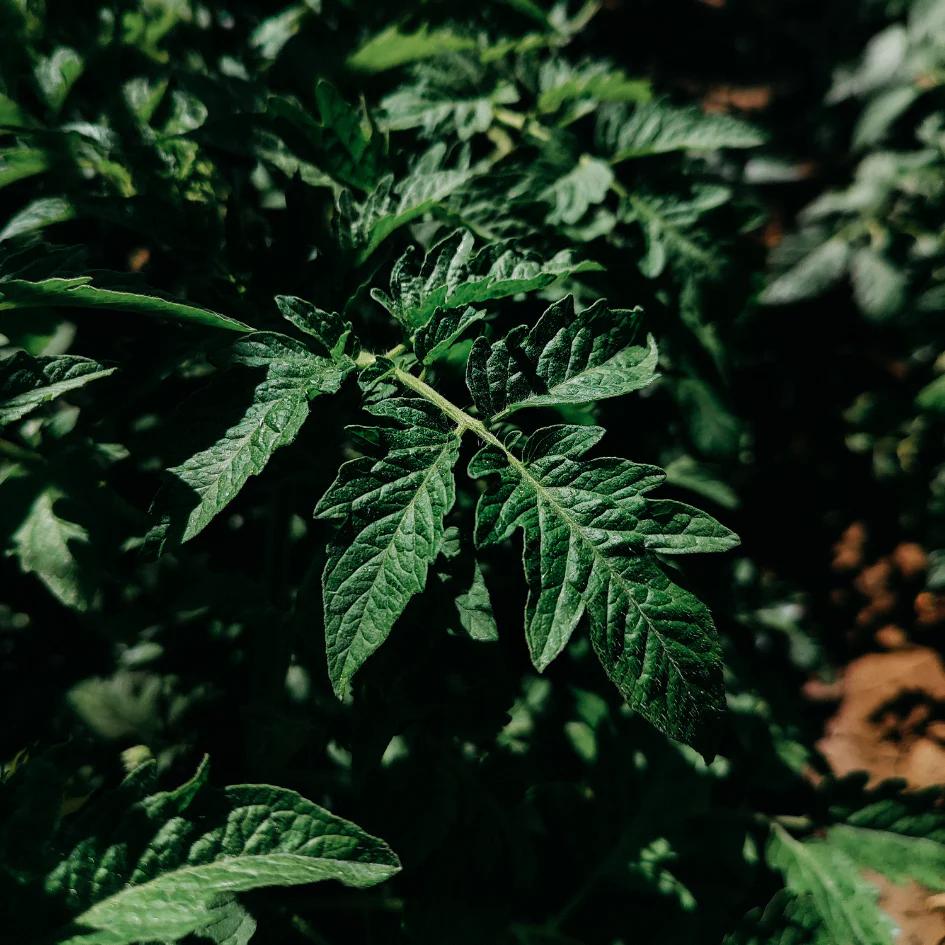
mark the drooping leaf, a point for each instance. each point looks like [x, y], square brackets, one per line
[78, 292]
[156, 872]
[204, 484]
[878, 286]
[27, 382]
[566, 357]
[391, 514]
[453, 276]
[829, 889]
[55, 549]
[657, 128]
[589, 534]
[812, 274]
[475, 609]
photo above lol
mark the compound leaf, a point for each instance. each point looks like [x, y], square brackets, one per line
[453, 276]
[391, 511]
[589, 534]
[158, 871]
[565, 358]
[209, 480]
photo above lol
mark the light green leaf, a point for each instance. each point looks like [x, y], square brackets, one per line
[814, 273]
[564, 358]
[207, 482]
[587, 535]
[57, 73]
[901, 836]
[586, 85]
[26, 382]
[20, 163]
[391, 514]
[475, 609]
[78, 292]
[37, 215]
[932, 396]
[53, 548]
[657, 128]
[878, 286]
[392, 47]
[230, 923]
[453, 276]
[830, 890]
[571, 195]
[158, 871]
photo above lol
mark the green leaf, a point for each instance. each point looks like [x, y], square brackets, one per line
[157, 871]
[391, 514]
[475, 609]
[342, 142]
[671, 226]
[330, 329]
[815, 272]
[657, 128]
[27, 382]
[830, 890]
[20, 163]
[878, 286]
[571, 195]
[57, 73]
[589, 534]
[16, 294]
[901, 836]
[55, 550]
[230, 923]
[392, 47]
[587, 85]
[434, 339]
[453, 276]
[36, 215]
[362, 227]
[207, 482]
[564, 358]
[932, 396]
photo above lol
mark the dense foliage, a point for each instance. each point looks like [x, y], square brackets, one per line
[374, 381]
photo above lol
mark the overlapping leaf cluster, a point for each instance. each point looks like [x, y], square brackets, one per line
[360, 364]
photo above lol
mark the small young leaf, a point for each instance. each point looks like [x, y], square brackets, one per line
[331, 330]
[435, 338]
[565, 358]
[391, 511]
[27, 382]
[453, 276]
